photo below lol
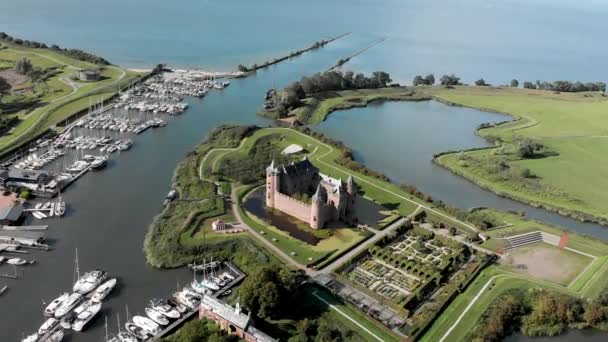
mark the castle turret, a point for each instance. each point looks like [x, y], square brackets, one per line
[351, 187]
[316, 213]
[351, 190]
[272, 183]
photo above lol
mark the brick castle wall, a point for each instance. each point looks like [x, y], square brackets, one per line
[291, 206]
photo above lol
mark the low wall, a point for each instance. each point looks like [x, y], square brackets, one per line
[291, 206]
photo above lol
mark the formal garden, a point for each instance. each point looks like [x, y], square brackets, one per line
[415, 272]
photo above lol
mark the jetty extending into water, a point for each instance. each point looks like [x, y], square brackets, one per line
[314, 46]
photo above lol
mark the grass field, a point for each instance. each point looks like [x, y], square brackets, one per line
[547, 262]
[589, 281]
[55, 99]
[573, 127]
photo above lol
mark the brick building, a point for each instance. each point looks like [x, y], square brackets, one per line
[331, 200]
[231, 320]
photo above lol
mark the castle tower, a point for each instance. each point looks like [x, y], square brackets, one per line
[272, 183]
[316, 213]
[351, 190]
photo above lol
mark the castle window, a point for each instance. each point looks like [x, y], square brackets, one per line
[314, 218]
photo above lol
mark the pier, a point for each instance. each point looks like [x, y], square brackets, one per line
[190, 314]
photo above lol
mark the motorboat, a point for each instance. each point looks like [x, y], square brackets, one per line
[146, 324]
[86, 316]
[137, 331]
[156, 316]
[103, 290]
[83, 307]
[50, 309]
[199, 288]
[126, 337]
[60, 208]
[31, 338]
[47, 326]
[164, 309]
[69, 304]
[89, 281]
[16, 261]
[68, 320]
[181, 308]
[186, 299]
[56, 336]
[99, 162]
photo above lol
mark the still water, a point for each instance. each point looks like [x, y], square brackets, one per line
[110, 210]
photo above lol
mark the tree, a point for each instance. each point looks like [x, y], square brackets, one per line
[528, 148]
[514, 83]
[449, 80]
[23, 66]
[418, 80]
[4, 86]
[429, 79]
[529, 85]
[242, 68]
[453, 231]
[481, 83]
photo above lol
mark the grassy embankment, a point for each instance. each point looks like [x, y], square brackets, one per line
[42, 105]
[181, 233]
[317, 107]
[590, 281]
[567, 176]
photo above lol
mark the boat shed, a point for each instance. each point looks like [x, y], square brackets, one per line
[16, 176]
[19, 237]
[10, 214]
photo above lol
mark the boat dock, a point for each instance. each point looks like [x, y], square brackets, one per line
[190, 314]
[19, 228]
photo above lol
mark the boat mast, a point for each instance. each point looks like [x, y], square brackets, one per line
[77, 270]
[118, 322]
[106, 328]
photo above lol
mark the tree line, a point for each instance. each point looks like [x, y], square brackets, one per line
[561, 86]
[540, 313]
[292, 95]
[72, 53]
[566, 86]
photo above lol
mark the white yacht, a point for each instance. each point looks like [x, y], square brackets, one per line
[89, 281]
[56, 336]
[31, 338]
[156, 316]
[99, 162]
[164, 309]
[103, 290]
[126, 337]
[50, 309]
[68, 304]
[137, 331]
[16, 261]
[86, 316]
[146, 324]
[47, 326]
[60, 208]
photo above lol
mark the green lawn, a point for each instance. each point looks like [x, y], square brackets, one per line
[574, 129]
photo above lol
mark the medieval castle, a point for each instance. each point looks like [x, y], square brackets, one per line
[332, 199]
